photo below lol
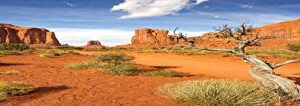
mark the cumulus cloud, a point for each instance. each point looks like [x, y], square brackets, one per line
[152, 8]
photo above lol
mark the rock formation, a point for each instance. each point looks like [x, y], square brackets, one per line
[277, 35]
[149, 38]
[29, 36]
[94, 44]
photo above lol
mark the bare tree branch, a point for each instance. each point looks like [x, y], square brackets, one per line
[176, 28]
[276, 65]
[261, 71]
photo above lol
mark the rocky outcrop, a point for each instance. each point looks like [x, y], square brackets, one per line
[149, 38]
[94, 44]
[29, 36]
[277, 35]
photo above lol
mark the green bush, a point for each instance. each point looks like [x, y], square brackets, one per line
[7, 52]
[8, 89]
[84, 65]
[69, 48]
[13, 47]
[162, 73]
[294, 47]
[122, 69]
[219, 93]
[51, 54]
[118, 64]
[114, 58]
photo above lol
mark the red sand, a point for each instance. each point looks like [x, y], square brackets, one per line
[58, 86]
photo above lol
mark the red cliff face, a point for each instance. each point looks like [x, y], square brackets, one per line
[281, 34]
[277, 35]
[149, 37]
[153, 38]
[29, 36]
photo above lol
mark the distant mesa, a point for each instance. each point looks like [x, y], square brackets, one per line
[278, 35]
[94, 44]
[25, 35]
[146, 37]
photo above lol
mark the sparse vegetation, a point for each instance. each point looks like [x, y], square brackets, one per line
[122, 69]
[119, 64]
[11, 72]
[6, 52]
[294, 47]
[219, 93]
[8, 89]
[162, 73]
[13, 47]
[113, 58]
[275, 53]
[51, 54]
[66, 47]
[84, 65]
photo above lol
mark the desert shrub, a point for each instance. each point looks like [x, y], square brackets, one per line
[275, 53]
[69, 48]
[162, 73]
[8, 89]
[11, 47]
[294, 47]
[121, 69]
[220, 93]
[7, 52]
[51, 54]
[11, 72]
[113, 58]
[118, 64]
[84, 65]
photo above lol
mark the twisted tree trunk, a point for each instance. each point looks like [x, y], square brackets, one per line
[261, 71]
[264, 74]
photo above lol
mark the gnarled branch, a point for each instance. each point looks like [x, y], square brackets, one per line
[276, 65]
[261, 71]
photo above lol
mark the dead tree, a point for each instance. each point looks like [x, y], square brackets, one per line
[180, 34]
[261, 70]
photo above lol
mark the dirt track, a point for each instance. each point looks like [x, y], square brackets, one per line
[58, 86]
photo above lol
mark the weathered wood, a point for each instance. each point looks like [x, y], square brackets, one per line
[261, 71]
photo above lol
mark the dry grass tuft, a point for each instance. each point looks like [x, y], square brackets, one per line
[119, 64]
[219, 93]
[8, 89]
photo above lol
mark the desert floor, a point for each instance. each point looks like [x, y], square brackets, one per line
[59, 86]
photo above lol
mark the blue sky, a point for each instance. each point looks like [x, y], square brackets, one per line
[113, 21]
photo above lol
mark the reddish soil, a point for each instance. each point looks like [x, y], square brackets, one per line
[58, 86]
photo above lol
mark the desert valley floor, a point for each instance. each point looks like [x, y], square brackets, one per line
[59, 86]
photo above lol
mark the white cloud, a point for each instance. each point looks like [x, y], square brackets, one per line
[151, 8]
[69, 4]
[247, 6]
[108, 37]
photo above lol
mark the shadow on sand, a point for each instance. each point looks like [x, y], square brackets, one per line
[164, 67]
[12, 64]
[36, 93]
[296, 79]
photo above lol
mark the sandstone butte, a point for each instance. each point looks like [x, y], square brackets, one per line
[94, 44]
[29, 36]
[278, 35]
